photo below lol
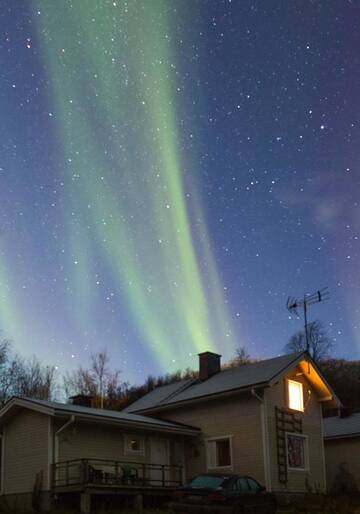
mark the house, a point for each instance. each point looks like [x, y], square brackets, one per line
[263, 419]
[342, 452]
[59, 449]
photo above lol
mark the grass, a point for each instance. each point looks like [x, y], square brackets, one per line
[308, 505]
[117, 511]
[320, 504]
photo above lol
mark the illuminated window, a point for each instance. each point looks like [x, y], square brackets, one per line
[295, 395]
[134, 445]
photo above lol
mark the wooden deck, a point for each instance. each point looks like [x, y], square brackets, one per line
[110, 476]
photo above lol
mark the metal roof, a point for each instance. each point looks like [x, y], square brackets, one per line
[159, 395]
[336, 427]
[243, 377]
[57, 408]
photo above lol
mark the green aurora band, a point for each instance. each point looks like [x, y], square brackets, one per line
[126, 204]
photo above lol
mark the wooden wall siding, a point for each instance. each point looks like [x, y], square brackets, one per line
[239, 417]
[298, 481]
[338, 451]
[26, 451]
[94, 441]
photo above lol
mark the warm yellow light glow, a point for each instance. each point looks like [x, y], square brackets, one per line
[296, 397]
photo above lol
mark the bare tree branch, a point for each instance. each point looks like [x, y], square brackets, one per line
[320, 344]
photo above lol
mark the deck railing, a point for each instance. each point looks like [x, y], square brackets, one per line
[114, 473]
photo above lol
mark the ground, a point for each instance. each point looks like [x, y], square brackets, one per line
[309, 505]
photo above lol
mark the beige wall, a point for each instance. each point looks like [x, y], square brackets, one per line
[298, 481]
[94, 441]
[25, 451]
[28, 448]
[338, 451]
[239, 417]
[106, 442]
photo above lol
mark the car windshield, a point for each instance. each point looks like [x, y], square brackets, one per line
[207, 481]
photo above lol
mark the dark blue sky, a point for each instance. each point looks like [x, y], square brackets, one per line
[171, 171]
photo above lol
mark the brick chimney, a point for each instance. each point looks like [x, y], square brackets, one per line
[209, 365]
[83, 400]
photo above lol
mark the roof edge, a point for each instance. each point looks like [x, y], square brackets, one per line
[26, 404]
[318, 370]
[199, 399]
[269, 383]
[341, 436]
[297, 358]
[150, 424]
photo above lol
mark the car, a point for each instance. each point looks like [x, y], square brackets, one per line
[220, 493]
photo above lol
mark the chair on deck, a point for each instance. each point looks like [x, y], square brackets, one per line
[130, 475]
[96, 476]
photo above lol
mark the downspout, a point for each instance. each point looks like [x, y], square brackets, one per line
[265, 438]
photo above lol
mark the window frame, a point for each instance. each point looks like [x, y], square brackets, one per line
[212, 440]
[300, 385]
[305, 438]
[127, 445]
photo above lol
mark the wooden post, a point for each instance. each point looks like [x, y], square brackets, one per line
[53, 477]
[85, 503]
[67, 473]
[138, 502]
[143, 466]
[85, 472]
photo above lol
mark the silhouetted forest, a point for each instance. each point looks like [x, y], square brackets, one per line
[30, 378]
[344, 377]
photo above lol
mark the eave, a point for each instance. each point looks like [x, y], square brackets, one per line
[201, 399]
[17, 404]
[341, 436]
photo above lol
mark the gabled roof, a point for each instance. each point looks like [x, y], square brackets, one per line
[336, 427]
[94, 415]
[258, 374]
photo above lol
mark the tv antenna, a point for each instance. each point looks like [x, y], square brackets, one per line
[293, 304]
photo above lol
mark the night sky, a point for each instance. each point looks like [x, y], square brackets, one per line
[171, 171]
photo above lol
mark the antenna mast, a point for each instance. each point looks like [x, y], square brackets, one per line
[293, 304]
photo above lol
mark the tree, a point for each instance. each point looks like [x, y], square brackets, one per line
[320, 344]
[24, 377]
[32, 379]
[98, 381]
[241, 357]
[344, 377]
[5, 373]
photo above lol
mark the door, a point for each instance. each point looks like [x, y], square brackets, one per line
[159, 456]
[179, 462]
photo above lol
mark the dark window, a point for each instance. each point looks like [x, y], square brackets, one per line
[223, 453]
[296, 451]
[207, 481]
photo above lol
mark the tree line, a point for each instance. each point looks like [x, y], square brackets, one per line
[104, 384]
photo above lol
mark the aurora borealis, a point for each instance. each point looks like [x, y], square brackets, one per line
[171, 171]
